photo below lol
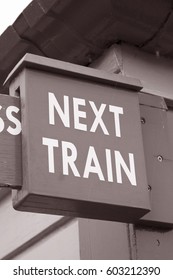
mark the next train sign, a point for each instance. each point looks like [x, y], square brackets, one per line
[88, 117]
[82, 151]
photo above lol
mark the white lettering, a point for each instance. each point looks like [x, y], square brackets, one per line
[116, 111]
[53, 104]
[114, 169]
[92, 157]
[2, 125]
[79, 114]
[18, 128]
[69, 160]
[109, 165]
[51, 143]
[120, 164]
[98, 120]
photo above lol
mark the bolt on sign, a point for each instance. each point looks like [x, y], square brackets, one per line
[82, 151]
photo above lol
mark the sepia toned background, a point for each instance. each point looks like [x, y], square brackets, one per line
[124, 39]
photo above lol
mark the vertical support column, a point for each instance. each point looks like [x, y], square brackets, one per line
[148, 240]
[104, 239]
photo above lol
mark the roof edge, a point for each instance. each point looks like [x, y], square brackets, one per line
[61, 67]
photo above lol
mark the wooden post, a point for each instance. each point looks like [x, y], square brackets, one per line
[10, 142]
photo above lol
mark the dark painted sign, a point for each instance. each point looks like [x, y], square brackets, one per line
[10, 142]
[81, 142]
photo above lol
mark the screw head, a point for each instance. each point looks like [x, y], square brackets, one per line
[160, 158]
[143, 120]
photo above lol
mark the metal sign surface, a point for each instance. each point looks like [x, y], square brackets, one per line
[81, 146]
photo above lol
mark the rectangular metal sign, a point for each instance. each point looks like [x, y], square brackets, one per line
[82, 148]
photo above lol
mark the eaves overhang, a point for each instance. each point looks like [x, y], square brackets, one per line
[78, 31]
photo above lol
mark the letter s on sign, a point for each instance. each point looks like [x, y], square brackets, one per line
[9, 113]
[2, 125]
[17, 129]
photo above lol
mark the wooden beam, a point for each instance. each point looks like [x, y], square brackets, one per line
[10, 142]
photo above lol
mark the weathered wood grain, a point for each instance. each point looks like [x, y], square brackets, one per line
[10, 145]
